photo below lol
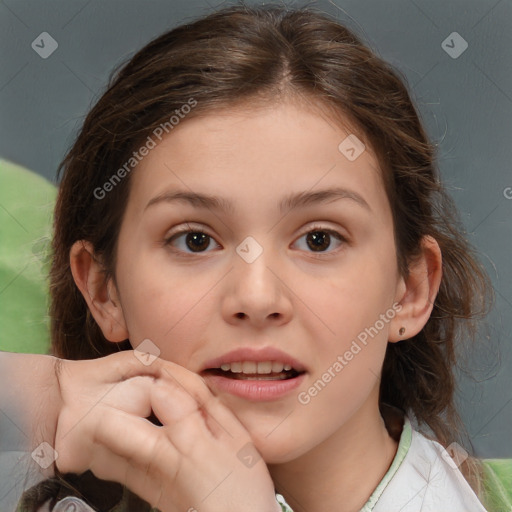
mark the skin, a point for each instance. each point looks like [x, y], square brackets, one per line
[331, 452]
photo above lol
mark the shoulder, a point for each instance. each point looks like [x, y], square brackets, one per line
[428, 479]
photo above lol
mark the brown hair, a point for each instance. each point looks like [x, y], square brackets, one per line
[266, 53]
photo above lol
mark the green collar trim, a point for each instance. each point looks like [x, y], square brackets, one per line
[403, 448]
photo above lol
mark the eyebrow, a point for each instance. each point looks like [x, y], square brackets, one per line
[289, 202]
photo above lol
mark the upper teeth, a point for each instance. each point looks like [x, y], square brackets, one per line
[254, 367]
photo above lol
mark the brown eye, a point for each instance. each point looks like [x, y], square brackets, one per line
[197, 241]
[319, 240]
[190, 241]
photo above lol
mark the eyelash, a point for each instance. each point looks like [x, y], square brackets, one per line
[168, 240]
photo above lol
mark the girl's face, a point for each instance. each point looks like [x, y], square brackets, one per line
[297, 255]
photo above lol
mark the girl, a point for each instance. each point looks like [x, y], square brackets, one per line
[253, 205]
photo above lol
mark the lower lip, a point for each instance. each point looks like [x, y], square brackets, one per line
[255, 390]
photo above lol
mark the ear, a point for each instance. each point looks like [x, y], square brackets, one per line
[417, 292]
[100, 294]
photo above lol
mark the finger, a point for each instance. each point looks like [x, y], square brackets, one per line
[107, 465]
[125, 447]
[184, 431]
[182, 417]
[124, 365]
[131, 396]
[141, 456]
[197, 428]
[218, 418]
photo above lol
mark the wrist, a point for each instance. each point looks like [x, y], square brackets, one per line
[49, 403]
[30, 398]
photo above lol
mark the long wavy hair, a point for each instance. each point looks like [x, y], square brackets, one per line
[246, 55]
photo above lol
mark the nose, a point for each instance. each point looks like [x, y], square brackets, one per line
[258, 292]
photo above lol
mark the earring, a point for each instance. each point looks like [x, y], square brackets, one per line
[401, 331]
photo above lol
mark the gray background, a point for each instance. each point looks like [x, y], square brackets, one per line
[466, 104]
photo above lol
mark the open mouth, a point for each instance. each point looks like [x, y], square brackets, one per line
[250, 370]
[256, 381]
[284, 375]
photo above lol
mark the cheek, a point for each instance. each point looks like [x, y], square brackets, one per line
[340, 306]
[168, 308]
[284, 435]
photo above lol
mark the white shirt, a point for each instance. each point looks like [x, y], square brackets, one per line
[423, 477]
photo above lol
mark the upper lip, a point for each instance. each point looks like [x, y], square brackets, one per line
[257, 355]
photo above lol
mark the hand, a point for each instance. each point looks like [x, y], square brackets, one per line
[190, 463]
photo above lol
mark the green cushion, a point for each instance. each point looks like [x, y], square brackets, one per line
[498, 484]
[26, 209]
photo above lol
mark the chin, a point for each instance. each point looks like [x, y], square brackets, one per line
[276, 436]
[279, 454]
[278, 447]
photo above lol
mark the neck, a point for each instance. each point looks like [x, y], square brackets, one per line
[342, 472]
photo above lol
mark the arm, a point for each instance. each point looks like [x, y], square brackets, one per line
[29, 406]
[29, 400]
[93, 413]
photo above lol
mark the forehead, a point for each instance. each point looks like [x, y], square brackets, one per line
[259, 154]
